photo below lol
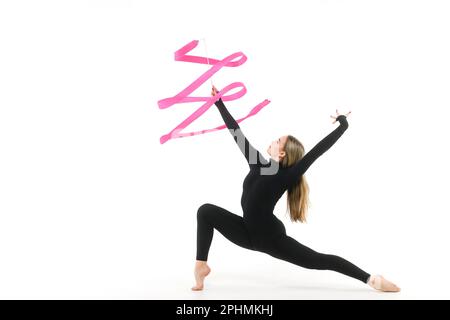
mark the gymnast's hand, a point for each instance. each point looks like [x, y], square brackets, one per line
[337, 115]
[214, 91]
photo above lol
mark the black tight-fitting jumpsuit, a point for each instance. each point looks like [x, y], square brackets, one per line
[259, 229]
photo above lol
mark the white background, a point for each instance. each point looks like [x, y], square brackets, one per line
[92, 206]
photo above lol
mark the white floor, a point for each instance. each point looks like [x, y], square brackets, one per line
[286, 283]
[232, 285]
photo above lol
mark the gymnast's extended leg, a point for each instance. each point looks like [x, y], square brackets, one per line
[288, 249]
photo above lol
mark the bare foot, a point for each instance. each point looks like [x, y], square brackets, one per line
[200, 272]
[378, 282]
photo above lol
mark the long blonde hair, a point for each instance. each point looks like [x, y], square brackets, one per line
[298, 194]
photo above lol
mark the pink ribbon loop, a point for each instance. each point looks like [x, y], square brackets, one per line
[183, 95]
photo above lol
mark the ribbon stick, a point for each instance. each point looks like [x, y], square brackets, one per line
[183, 95]
[207, 57]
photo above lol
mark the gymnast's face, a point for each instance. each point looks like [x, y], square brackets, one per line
[276, 148]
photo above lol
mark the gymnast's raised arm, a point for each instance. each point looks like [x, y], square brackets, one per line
[251, 154]
[294, 172]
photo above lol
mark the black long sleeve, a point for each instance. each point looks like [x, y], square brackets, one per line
[294, 172]
[252, 155]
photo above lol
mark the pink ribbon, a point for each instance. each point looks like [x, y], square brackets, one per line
[183, 96]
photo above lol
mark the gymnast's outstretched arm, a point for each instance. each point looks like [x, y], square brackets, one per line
[299, 168]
